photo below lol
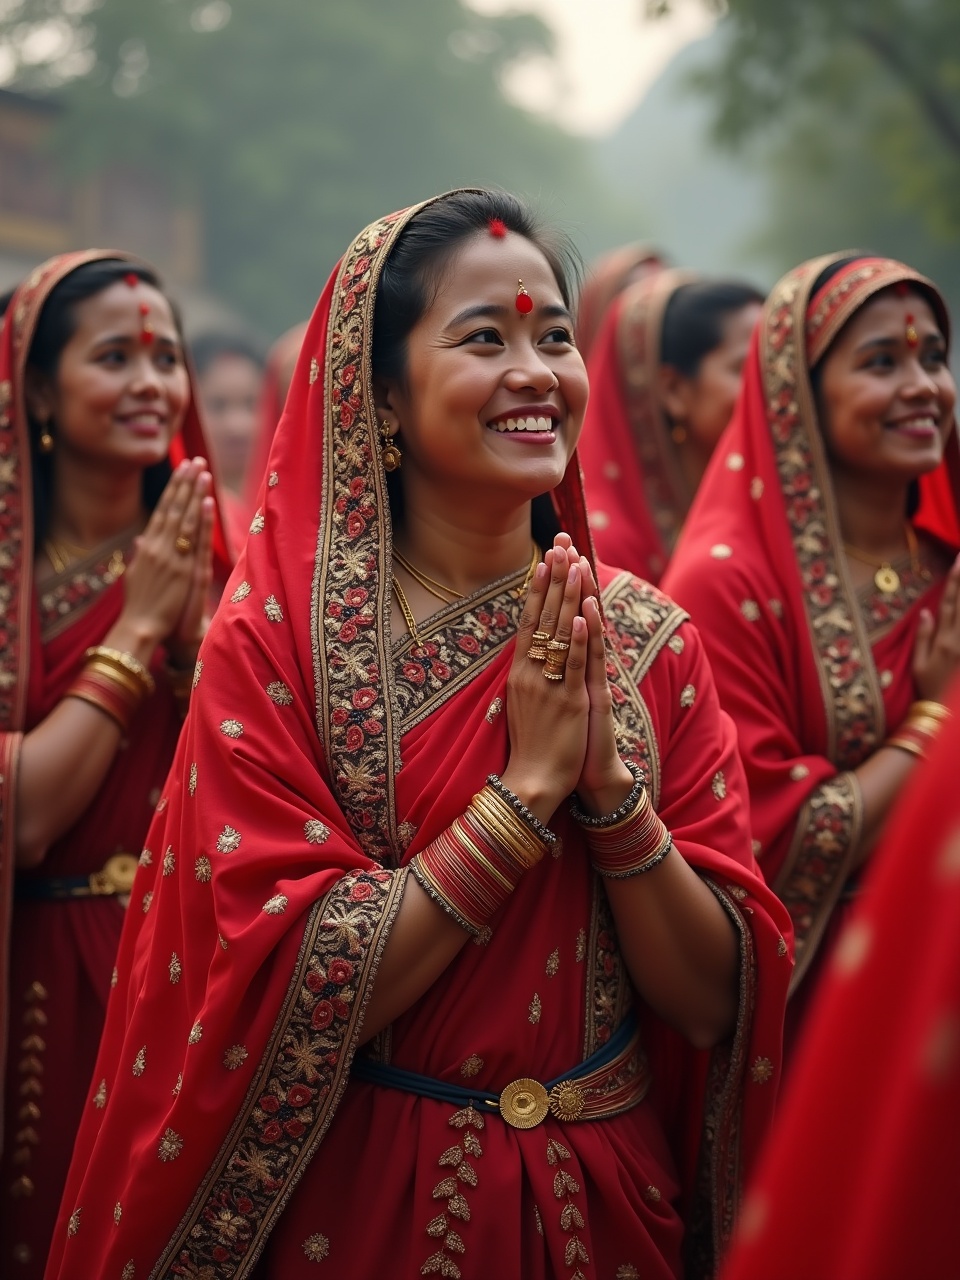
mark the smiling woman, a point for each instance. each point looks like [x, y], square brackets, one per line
[830, 614]
[452, 862]
[107, 560]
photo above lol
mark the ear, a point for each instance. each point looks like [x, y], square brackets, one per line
[387, 400]
[674, 392]
[39, 396]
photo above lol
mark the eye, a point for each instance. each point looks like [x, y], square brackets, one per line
[935, 356]
[879, 360]
[112, 356]
[560, 334]
[484, 337]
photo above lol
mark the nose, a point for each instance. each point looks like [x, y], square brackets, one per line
[146, 380]
[530, 371]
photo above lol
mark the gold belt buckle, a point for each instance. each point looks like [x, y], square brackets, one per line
[524, 1103]
[115, 876]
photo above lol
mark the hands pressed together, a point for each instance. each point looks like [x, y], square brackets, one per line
[562, 735]
[936, 653]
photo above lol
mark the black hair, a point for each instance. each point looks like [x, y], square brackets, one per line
[5, 299]
[56, 325]
[412, 275]
[208, 347]
[694, 318]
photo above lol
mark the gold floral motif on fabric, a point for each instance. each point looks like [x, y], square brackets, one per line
[241, 592]
[316, 1248]
[442, 1262]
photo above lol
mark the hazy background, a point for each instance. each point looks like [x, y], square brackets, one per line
[241, 143]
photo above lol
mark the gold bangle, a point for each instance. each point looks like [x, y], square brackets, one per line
[905, 744]
[928, 707]
[117, 676]
[127, 662]
[526, 847]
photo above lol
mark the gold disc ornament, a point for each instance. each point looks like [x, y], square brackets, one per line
[886, 579]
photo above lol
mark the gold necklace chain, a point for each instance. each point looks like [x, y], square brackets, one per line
[404, 603]
[886, 579]
[429, 584]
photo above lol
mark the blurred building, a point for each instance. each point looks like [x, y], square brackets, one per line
[43, 212]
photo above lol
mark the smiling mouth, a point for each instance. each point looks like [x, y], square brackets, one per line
[923, 426]
[524, 424]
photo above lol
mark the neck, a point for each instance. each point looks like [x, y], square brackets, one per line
[461, 553]
[91, 505]
[693, 459]
[871, 518]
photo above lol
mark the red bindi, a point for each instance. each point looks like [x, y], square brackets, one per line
[132, 279]
[524, 302]
[497, 228]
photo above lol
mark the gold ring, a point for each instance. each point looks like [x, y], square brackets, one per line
[537, 653]
[551, 674]
[183, 545]
[557, 647]
[541, 637]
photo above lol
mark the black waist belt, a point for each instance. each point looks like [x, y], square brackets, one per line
[115, 876]
[610, 1081]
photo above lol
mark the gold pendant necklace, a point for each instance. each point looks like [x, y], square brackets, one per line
[886, 579]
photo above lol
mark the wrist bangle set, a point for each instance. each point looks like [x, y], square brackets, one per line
[630, 840]
[474, 866]
[114, 681]
[920, 728]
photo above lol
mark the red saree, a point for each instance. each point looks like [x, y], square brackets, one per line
[636, 492]
[883, 1206]
[811, 673]
[276, 378]
[222, 1126]
[57, 956]
[611, 273]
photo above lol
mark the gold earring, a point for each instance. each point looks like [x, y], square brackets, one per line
[390, 452]
[46, 441]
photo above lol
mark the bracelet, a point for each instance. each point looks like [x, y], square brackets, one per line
[920, 728]
[903, 742]
[619, 814]
[123, 663]
[520, 809]
[117, 701]
[637, 868]
[472, 868]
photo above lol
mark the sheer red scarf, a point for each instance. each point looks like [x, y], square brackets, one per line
[608, 275]
[759, 566]
[19, 642]
[636, 491]
[276, 378]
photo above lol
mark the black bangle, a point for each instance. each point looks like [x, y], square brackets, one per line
[520, 809]
[618, 815]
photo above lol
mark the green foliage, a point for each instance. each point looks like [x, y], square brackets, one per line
[292, 122]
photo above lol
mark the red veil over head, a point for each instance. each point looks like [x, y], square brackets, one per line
[17, 638]
[277, 861]
[760, 565]
[281, 361]
[636, 491]
[611, 273]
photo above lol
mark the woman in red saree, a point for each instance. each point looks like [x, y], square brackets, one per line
[608, 277]
[313, 894]
[94, 395]
[883, 1205]
[281, 361]
[825, 607]
[665, 374]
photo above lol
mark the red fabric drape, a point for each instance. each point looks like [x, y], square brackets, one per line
[281, 361]
[876, 1085]
[636, 491]
[57, 957]
[318, 757]
[811, 675]
[611, 273]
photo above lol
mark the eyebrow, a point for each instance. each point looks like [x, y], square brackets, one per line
[121, 338]
[492, 311]
[926, 338]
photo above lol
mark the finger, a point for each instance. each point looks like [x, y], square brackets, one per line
[532, 607]
[951, 592]
[590, 587]
[570, 606]
[158, 521]
[596, 648]
[189, 526]
[563, 540]
[204, 557]
[553, 602]
[577, 655]
[924, 641]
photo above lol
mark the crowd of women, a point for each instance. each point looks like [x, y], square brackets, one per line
[428, 829]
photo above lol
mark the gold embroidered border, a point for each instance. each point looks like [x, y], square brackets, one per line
[819, 863]
[295, 1092]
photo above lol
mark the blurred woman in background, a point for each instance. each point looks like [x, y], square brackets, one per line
[664, 377]
[108, 532]
[281, 361]
[830, 613]
[609, 275]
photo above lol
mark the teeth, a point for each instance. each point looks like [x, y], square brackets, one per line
[524, 424]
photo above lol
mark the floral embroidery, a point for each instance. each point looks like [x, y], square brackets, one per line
[241, 593]
[235, 1057]
[257, 523]
[197, 673]
[228, 841]
[581, 945]
[720, 551]
[653, 1194]
[776, 608]
[203, 869]
[278, 692]
[761, 1071]
[535, 1009]
[449, 1189]
[798, 772]
[171, 1144]
[178, 1086]
[756, 488]
[271, 607]
[231, 728]
[114, 976]
[565, 1187]
[553, 963]
[688, 696]
[176, 968]
[276, 905]
[494, 709]
[145, 859]
[750, 610]
[147, 901]
[140, 1061]
[317, 832]
[781, 947]
[73, 1223]
[471, 1067]
[100, 1097]
[675, 643]
[735, 461]
[628, 1271]
[406, 832]
[273, 480]
[192, 784]
[117, 1212]
[129, 1271]
[314, 370]
[719, 785]
[196, 1034]
[169, 861]
[316, 1248]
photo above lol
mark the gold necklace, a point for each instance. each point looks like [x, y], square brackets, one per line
[407, 612]
[886, 579]
[429, 584]
[63, 554]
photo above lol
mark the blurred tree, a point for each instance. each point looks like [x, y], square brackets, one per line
[291, 123]
[854, 105]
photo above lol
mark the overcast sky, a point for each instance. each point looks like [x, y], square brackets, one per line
[608, 54]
